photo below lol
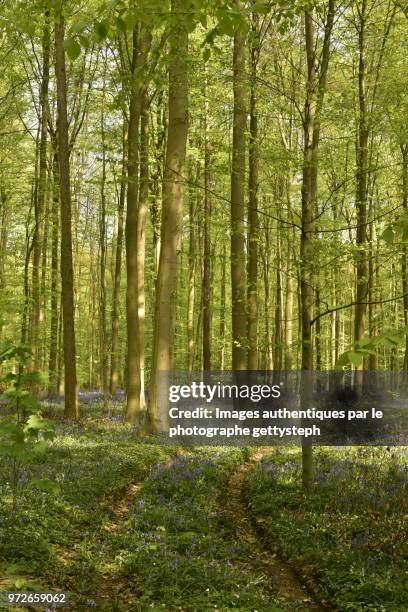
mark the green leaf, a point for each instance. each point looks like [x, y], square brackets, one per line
[261, 7]
[72, 48]
[47, 485]
[389, 235]
[206, 54]
[129, 20]
[85, 42]
[101, 31]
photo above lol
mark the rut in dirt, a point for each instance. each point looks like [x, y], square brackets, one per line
[280, 578]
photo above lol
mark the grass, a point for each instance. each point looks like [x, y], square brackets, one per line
[90, 462]
[349, 535]
[171, 551]
[174, 549]
[176, 543]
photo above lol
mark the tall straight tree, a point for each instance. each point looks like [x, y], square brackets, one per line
[315, 89]
[114, 375]
[206, 299]
[238, 271]
[173, 195]
[367, 89]
[141, 46]
[253, 203]
[361, 181]
[39, 205]
[67, 275]
[55, 294]
[141, 237]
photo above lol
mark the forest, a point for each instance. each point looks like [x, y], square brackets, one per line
[195, 186]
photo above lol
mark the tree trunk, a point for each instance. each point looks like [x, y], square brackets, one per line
[141, 238]
[114, 376]
[3, 243]
[40, 202]
[55, 293]
[288, 312]
[141, 46]
[67, 277]
[222, 306]
[191, 283]
[277, 342]
[171, 227]
[315, 88]
[238, 273]
[103, 353]
[252, 323]
[206, 298]
[404, 153]
[361, 186]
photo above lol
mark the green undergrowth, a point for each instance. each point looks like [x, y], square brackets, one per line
[91, 462]
[349, 534]
[172, 550]
[184, 554]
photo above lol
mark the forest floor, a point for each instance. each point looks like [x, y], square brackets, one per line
[137, 526]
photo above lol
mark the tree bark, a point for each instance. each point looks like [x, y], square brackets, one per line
[114, 374]
[252, 323]
[103, 353]
[361, 185]
[55, 292]
[191, 282]
[141, 238]
[238, 272]
[141, 46]
[67, 276]
[40, 201]
[171, 227]
[206, 301]
[404, 153]
[315, 88]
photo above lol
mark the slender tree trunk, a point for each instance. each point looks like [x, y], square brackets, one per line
[334, 324]
[315, 88]
[55, 292]
[141, 46]
[60, 362]
[238, 275]
[103, 356]
[3, 243]
[141, 238]
[173, 194]
[371, 293]
[67, 277]
[222, 307]
[318, 340]
[191, 283]
[155, 208]
[252, 323]
[44, 271]
[404, 153]
[277, 343]
[114, 375]
[206, 297]
[288, 316]
[361, 185]
[40, 202]
[267, 304]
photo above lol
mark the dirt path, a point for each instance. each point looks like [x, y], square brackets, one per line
[113, 591]
[280, 577]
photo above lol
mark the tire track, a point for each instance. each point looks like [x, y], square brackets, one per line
[281, 579]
